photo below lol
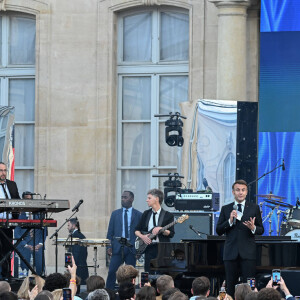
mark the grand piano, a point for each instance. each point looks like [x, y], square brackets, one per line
[204, 257]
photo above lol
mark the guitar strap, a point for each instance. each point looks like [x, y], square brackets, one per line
[161, 217]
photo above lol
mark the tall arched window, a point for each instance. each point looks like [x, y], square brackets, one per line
[153, 55]
[17, 85]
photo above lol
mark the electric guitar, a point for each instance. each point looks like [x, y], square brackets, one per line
[141, 246]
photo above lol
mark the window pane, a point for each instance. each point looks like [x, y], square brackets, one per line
[137, 37]
[167, 154]
[24, 180]
[136, 150]
[136, 98]
[22, 41]
[138, 182]
[174, 42]
[21, 96]
[172, 91]
[24, 145]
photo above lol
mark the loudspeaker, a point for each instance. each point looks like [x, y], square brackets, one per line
[200, 221]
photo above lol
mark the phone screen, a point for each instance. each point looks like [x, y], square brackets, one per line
[144, 278]
[67, 294]
[222, 295]
[276, 274]
[251, 282]
[32, 283]
[68, 259]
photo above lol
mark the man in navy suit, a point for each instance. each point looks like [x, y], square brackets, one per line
[239, 221]
[121, 218]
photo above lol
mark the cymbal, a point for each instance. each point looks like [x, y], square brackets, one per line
[270, 196]
[278, 203]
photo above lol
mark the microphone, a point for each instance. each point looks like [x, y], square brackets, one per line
[235, 208]
[283, 165]
[76, 207]
[32, 194]
[195, 230]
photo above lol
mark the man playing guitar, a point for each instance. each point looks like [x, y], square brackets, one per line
[152, 221]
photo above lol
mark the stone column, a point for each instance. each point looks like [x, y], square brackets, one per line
[231, 72]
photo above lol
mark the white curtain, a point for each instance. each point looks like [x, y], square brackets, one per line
[174, 42]
[22, 41]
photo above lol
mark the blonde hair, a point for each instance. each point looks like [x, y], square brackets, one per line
[57, 294]
[24, 288]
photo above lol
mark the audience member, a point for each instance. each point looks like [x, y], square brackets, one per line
[251, 296]
[100, 294]
[94, 282]
[126, 273]
[241, 290]
[4, 286]
[55, 281]
[268, 294]
[126, 290]
[178, 296]
[169, 292]
[200, 287]
[44, 295]
[146, 293]
[163, 283]
[282, 286]
[26, 286]
[8, 296]
[78, 281]
[57, 294]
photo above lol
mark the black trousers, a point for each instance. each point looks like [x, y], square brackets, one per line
[150, 253]
[4, 248]
[245, 268]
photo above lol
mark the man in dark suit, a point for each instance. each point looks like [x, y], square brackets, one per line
[79, 252]
[240, 221]
[153, 220]
[8, 190]
[33, 242]
[125, 217]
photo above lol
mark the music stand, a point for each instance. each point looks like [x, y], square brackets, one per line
[124, 243]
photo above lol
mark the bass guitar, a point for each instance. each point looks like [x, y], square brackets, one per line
[141, 246]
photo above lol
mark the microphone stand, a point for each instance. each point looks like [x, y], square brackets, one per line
[56, 236]
[256, 180]
[124, 242]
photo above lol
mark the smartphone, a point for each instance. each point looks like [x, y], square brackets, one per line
[276, 275]
[67, 294]
[251, 282]
[222, 295]
[297, 297]
[68, 259]
[144, 278]
[32, 282]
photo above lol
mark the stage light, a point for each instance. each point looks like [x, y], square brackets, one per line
[174, 132]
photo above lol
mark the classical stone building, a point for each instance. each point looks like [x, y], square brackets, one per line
[86, 78]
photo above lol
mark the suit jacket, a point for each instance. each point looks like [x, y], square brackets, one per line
[115, 228]
[164, 219]
[13, 189]
[80, 257]
[239, 238]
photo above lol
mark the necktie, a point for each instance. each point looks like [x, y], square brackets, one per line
[4, 190]
[126, 223]
[240, 207]
[154, 221]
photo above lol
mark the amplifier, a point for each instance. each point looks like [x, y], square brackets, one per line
[198, 201]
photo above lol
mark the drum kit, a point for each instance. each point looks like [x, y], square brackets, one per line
[289, 223]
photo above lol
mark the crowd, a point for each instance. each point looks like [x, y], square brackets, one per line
[54, 285]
